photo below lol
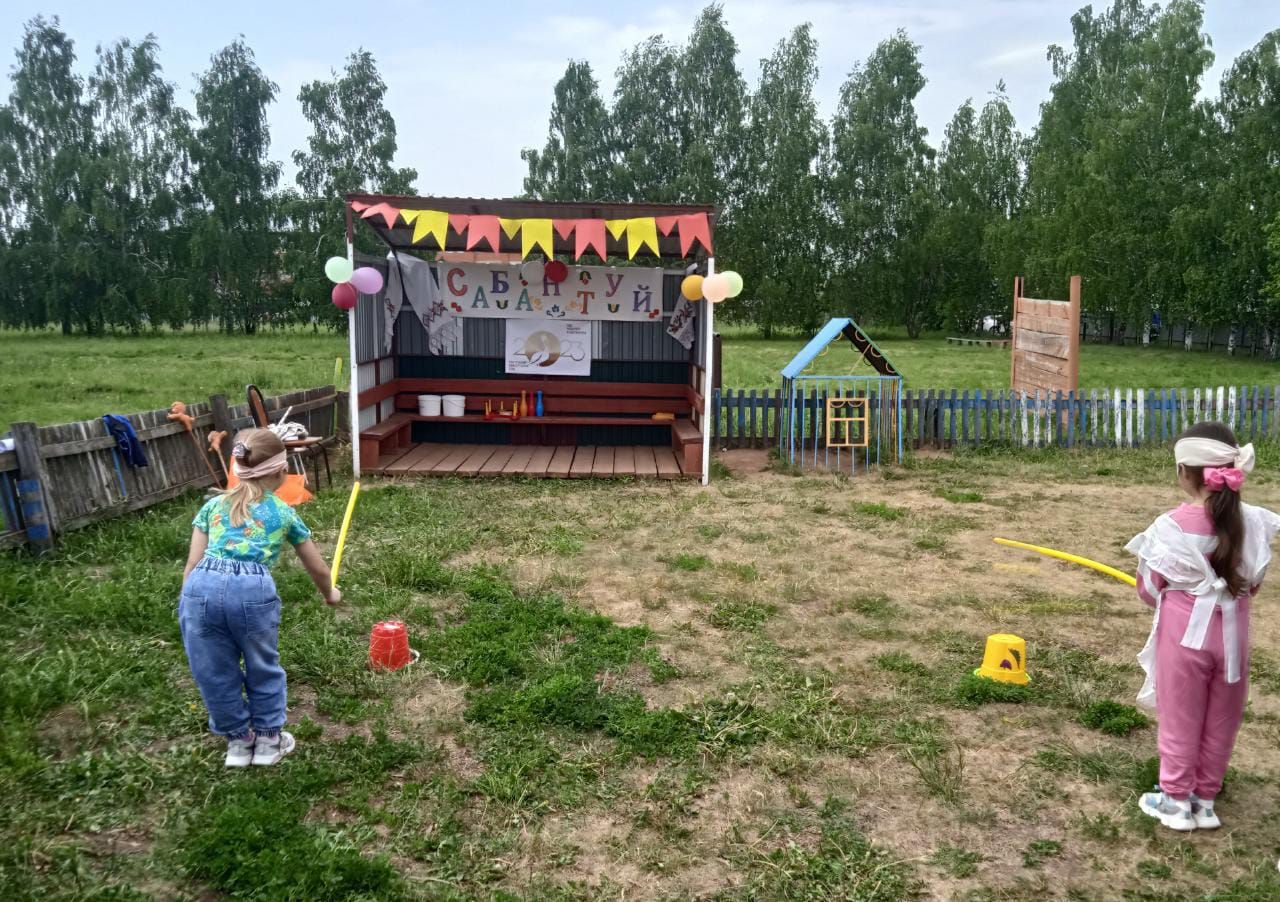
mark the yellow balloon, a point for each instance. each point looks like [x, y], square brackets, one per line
[691, 288]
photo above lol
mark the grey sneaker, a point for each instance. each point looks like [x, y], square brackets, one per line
[1203, 813]
[269, 751]
[1167, 810]
[240, 751]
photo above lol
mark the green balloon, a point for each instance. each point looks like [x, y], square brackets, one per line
[338, 269]
[735, 282]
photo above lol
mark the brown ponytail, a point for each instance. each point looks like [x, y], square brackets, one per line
[251, 448]
[1223, 507]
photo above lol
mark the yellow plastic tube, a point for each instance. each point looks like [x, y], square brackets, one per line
[342, 536]
[1072, 559]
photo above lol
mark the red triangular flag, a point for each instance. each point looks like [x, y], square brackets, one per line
[589, 234]
[483, 228]
[358, 206]
[564, 227]
[694, 226]
[458, 222]
[665, 223]
[388, 213]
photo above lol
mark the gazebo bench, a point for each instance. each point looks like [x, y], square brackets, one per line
[566, 403]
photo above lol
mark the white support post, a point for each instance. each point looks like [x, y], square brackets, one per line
[353, 400]
[708, 360]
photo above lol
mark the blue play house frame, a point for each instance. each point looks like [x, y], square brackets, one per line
[812, 436]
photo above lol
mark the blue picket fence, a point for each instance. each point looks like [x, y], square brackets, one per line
[950, 418]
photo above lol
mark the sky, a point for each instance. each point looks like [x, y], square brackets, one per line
[470, 85]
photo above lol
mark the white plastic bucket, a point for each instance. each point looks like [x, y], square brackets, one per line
[429, 405]
[455, 405]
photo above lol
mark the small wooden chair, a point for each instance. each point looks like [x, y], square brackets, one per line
[311, 447]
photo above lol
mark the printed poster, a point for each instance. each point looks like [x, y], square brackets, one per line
[548, 348]
[498, 291]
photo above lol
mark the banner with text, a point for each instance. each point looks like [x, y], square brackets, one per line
[498, 291]
[556, 348]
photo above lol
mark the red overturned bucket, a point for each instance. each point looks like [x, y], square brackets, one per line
[389, 646]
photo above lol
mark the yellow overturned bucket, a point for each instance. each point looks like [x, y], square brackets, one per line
[1005, 659]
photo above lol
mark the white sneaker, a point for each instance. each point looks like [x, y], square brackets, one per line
[1203, 813]
[270, 751]
[239, 752]
[1167, 810]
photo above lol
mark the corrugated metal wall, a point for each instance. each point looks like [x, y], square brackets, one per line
[370, 317]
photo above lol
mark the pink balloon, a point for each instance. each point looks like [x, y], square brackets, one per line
[715, 288]
[344, 296]
[367, 280]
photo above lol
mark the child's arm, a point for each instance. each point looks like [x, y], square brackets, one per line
[199, 542]
[318, 570]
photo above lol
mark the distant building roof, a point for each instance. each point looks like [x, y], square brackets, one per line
[829, 333]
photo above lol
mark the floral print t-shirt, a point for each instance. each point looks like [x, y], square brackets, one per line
[259, 539]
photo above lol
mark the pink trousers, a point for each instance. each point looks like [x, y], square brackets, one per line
[1199, 711]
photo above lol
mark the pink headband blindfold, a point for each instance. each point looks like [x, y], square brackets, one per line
[268, 467]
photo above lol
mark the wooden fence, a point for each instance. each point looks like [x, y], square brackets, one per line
[952, 418]
[60, 478]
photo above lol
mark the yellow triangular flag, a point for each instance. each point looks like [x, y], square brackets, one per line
[428, 222]
[510, 226]
[616, 227]
[536, 233]
[641, 231]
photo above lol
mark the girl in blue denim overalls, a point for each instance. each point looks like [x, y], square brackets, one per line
[229, 608]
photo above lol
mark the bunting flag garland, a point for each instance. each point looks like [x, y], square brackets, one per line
[428, 222]
[539, 234]
[483, 228]
[534, 234]
[641, 231]
[589, 235]
[388, 213]
[694, 226]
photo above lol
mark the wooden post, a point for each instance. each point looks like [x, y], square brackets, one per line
[34, 492]
[222, 423]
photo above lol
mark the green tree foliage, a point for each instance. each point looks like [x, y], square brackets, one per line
[47, 129]
[577, 161]
[711, 106]
[235, 240]
[883, 192]
[140, 174]
[352, 147]
[645, 124]
[779, 241]
[1112, 170]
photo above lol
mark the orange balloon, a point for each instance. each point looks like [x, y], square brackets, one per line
[691, 288]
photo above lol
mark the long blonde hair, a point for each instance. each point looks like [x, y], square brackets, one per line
[251, 448]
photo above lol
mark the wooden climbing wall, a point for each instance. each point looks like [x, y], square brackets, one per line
[1046, 342]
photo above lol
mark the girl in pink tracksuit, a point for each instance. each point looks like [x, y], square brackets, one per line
[1199, 566]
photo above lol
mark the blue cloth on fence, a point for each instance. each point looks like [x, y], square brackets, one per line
[130, 445]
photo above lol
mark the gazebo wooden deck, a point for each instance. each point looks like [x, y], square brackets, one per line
[459, 325]
[534, 461]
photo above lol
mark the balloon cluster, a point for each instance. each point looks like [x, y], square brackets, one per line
[350, 283]
[533, 271]
[727, 284]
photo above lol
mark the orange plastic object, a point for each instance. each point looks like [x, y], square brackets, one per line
[389, 645]
[292, 492]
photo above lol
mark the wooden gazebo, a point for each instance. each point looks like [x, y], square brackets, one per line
[575, 307]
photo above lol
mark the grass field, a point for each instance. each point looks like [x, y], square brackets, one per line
[50, 379]
[758, 690]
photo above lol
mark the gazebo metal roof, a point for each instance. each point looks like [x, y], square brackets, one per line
[400, 236]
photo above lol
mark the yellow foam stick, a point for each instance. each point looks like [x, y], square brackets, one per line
[1073, 559]
[342, 536]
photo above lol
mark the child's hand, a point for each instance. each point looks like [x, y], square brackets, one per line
[334, 598]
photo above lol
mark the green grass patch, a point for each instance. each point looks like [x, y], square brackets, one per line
[878, 510]
[1113, 718]
[741, 614]
[973, 691]
[957, 496]
[955, 861]
[690, 563]
[1040, 850]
